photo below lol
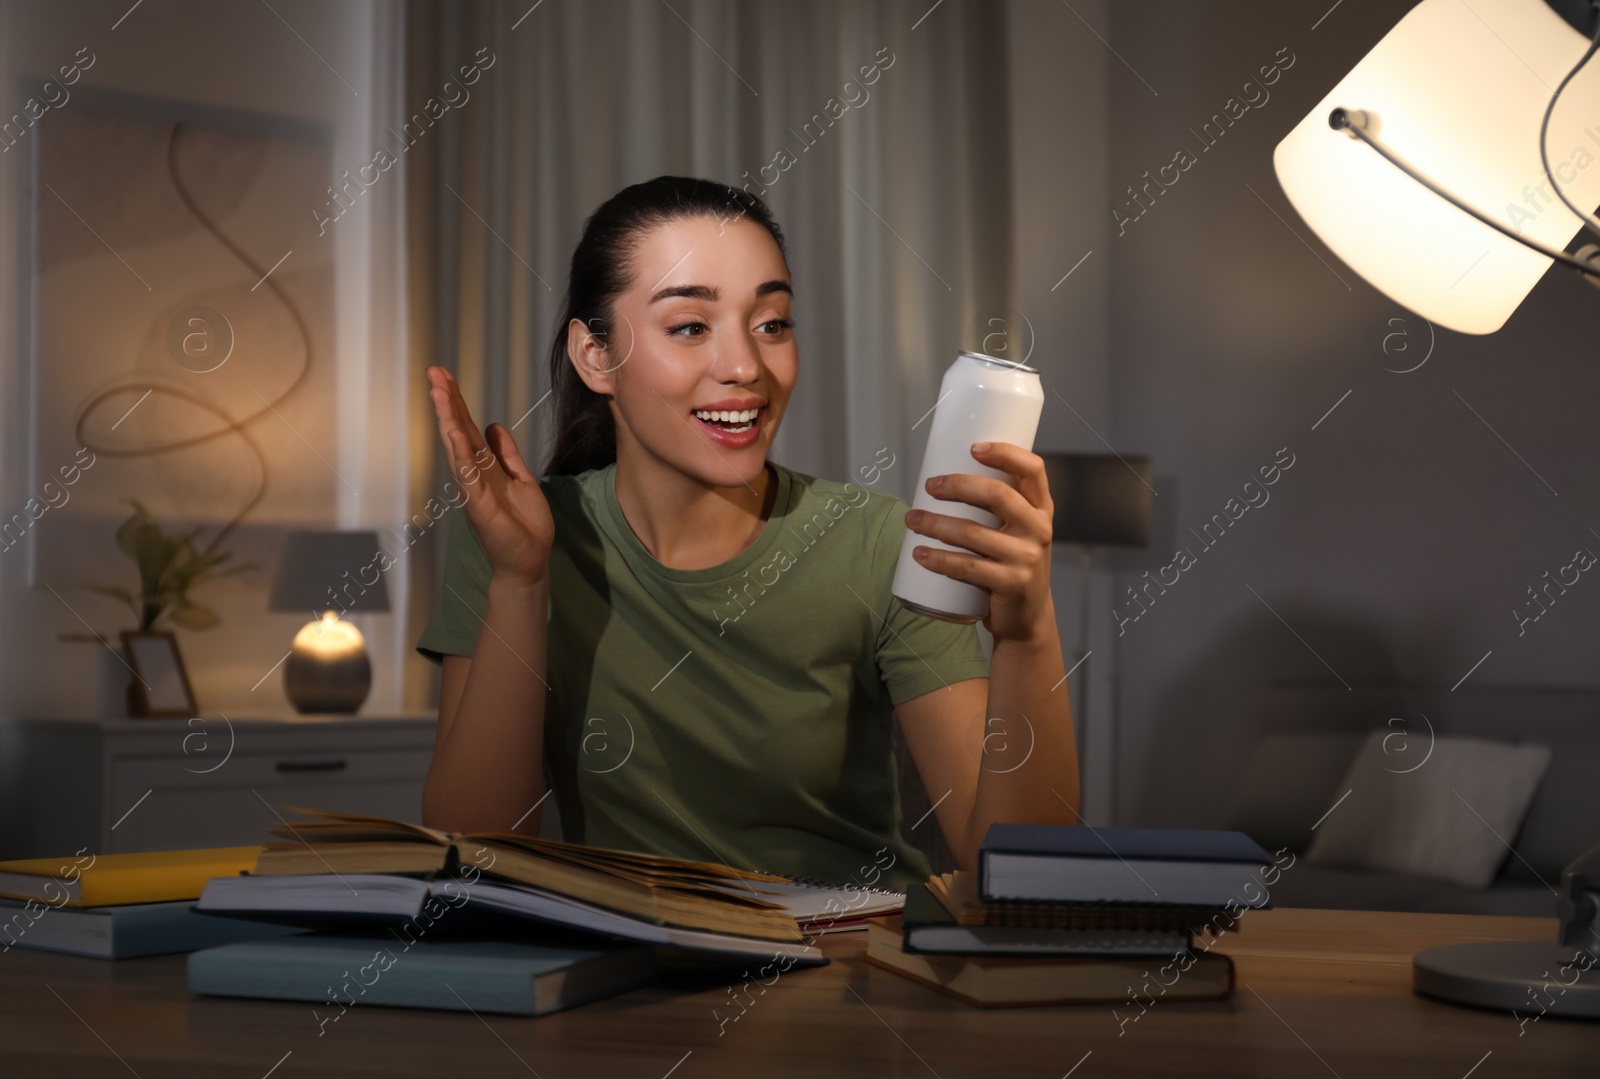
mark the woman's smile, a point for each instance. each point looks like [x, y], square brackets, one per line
[735, 422]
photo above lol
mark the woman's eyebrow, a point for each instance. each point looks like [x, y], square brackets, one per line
[706, 292]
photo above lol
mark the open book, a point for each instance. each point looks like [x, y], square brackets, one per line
[654, 888]
[333, 903]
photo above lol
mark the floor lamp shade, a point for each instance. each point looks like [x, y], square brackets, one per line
[1101, 500]
[1458, 91]
[328, 574]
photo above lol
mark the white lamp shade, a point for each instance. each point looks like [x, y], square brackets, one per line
[1458, 93]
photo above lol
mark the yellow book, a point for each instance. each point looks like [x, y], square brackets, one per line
[108, 880]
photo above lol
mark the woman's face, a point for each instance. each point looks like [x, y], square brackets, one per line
[702, 356]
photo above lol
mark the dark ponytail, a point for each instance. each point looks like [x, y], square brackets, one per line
[585, 434]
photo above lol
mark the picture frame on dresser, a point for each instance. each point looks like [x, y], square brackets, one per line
[161, 686]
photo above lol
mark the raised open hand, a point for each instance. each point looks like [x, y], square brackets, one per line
[504, 502]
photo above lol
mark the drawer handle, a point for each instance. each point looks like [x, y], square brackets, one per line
[334, 765]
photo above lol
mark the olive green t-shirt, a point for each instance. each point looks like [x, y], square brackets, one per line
[740, 713]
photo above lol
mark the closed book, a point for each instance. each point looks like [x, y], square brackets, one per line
[416, 905]
[1011, 981]
[101, 880]
[929, 927]
[125, 931]
[338, 971]
[1077, 863]
[957, 892]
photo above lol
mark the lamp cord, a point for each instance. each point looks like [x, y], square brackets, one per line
[1544, 127]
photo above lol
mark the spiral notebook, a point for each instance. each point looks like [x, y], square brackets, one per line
[958, 893]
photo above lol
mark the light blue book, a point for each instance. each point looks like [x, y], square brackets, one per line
[124, 931]
[338, 971]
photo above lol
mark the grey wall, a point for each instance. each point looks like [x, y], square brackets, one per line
[1398, 544]
[205, 60]
[1060, 111]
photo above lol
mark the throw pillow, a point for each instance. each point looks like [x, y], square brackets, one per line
[1451, 813]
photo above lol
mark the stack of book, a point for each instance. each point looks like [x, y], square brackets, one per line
[563, 922]
[1058, 915]
[119, 906]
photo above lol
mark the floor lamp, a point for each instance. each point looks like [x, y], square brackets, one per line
[1101, 500]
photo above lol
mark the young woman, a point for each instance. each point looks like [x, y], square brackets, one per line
[698, 643]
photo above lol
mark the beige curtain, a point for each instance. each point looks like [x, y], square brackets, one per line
[895, 201]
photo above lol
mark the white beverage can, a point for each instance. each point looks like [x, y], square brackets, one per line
[982, 399]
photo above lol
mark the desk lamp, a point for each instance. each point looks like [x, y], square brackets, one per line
[1450, 208]
[327, 573]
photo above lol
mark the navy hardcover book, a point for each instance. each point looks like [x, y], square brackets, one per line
[1077, 863]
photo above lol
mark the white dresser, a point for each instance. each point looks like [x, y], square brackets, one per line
[117, 785]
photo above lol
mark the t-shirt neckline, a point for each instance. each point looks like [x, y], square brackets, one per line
[639, 554]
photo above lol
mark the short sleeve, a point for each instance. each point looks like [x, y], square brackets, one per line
[917, 654]
[458, 609]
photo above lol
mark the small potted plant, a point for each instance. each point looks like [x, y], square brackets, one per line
[169, 567]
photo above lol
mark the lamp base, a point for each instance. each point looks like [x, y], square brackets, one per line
[316, 684]
[1530, 978]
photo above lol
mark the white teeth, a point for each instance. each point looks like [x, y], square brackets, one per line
[745, 416]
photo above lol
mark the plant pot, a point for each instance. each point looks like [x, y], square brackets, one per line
[114, 691]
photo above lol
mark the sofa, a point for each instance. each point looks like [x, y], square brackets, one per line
[1307, 734]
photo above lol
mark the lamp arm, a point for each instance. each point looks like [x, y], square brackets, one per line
[1544, 127]
[1355, 122]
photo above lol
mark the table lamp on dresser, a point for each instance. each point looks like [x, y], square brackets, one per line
[327, 574]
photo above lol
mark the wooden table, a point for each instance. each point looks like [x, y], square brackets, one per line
[1319, 993]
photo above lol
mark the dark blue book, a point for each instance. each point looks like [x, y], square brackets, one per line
[124, 931]
[1080, 864]
[340, 970]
